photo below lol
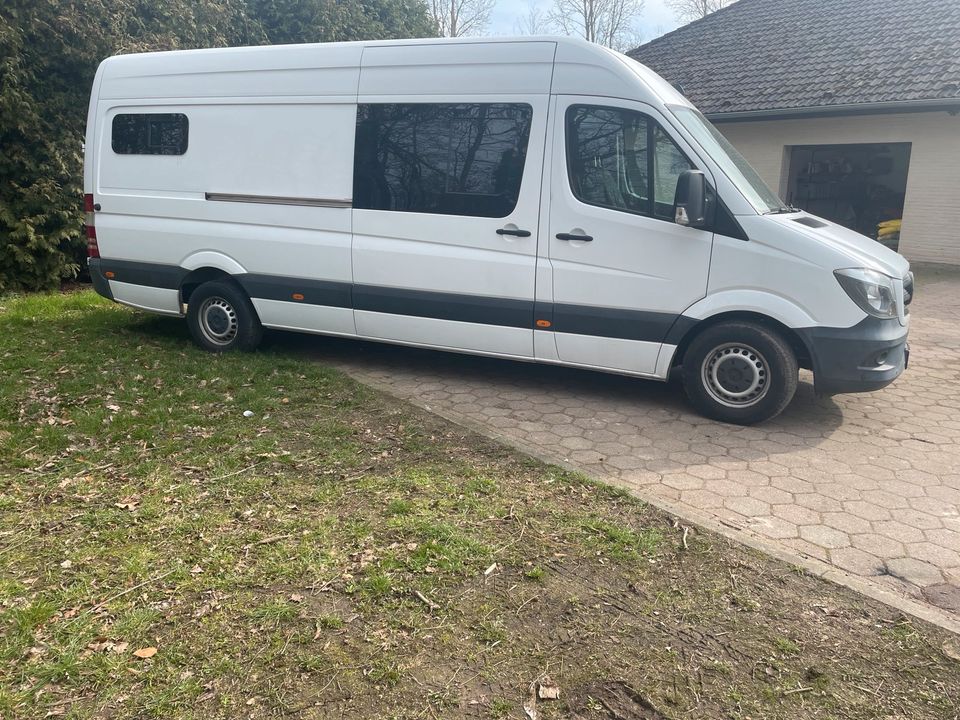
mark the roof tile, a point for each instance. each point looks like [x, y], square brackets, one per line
[759, 55]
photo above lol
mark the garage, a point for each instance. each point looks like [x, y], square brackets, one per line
[860, 186]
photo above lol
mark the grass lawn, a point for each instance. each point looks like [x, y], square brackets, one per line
[341, 554]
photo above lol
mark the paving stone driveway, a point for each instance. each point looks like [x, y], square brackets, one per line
[866, 483]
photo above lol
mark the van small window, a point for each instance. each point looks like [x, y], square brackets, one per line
[150, 134]
[610, 163]
[445, 158]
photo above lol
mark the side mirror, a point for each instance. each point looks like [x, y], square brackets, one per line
[690, 201]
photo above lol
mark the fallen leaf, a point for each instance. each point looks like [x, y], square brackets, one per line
[144, 653]
[296, 597]
[547, 689]
[66, 564]
[196, 570]
[530, 702]
[120, 647]
[951, 648]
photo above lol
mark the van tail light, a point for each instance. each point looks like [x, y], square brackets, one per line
[93, 250]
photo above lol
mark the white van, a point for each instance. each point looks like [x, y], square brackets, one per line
[540, 199]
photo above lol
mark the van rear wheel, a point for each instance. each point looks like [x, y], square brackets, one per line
[222, 319]
[740, 372]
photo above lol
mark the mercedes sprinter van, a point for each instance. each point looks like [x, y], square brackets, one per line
[541, 199]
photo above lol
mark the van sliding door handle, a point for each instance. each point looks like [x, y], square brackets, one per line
[513, 231]
[575, 238]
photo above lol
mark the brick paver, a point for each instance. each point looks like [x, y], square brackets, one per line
[869, 483]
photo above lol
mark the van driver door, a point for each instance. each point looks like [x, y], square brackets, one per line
[622, 271]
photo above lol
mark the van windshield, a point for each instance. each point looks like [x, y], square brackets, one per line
[733, 164]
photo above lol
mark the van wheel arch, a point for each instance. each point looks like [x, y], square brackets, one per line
[196, 278]
[799, 346]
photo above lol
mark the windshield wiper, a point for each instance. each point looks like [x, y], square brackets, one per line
[782, 210]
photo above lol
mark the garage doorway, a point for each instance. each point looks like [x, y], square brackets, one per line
[859, 186]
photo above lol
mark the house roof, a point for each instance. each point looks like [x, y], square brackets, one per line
[769, 56]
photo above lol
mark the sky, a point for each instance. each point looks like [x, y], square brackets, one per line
[657, 17]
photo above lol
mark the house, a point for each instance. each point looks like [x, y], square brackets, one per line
[849, 108]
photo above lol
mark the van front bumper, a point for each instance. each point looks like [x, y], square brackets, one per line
[868, 356]
[100, 283]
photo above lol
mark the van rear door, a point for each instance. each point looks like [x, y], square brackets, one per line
[622, 270]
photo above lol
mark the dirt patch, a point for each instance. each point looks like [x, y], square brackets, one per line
[614, 699]
[944, 595]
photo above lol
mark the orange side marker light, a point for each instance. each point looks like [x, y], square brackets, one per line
[297, 296]
[544, 323]
[110, 274]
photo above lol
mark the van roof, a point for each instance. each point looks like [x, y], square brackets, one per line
[495, 65]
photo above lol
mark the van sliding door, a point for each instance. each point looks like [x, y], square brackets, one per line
[445, 219]
[449, 153]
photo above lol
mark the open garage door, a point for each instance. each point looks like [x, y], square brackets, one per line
[859, 186]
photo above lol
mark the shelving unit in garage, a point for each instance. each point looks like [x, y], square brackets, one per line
[861, 186]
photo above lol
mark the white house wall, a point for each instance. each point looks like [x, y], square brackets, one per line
[931, 215]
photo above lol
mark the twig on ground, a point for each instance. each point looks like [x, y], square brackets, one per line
[268, 540]
[236, 472]
[525, 603]
[119, 595]
[425, 600]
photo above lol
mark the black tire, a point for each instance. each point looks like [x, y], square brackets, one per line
[740, 372]
[222, 319]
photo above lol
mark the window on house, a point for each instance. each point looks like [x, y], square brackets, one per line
[150, 134]
[445, 158]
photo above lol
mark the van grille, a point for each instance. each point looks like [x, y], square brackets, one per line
[907, 291]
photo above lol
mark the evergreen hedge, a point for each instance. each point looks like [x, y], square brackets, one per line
[49, 52]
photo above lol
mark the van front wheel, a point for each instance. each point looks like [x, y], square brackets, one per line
[221, 318]
[740, 372]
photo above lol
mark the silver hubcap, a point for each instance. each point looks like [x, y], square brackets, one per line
[218, 321]
[736, 375]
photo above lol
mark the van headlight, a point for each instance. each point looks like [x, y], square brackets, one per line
[872, 291]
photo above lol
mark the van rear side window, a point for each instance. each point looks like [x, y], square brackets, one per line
[150, 134]
[444, 158]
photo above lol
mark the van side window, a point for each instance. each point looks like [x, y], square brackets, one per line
[668, 163]
[150, 134]
[446, 158]
[610, 163]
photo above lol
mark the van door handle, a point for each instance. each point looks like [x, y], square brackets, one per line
[575, 238]
[513, 231]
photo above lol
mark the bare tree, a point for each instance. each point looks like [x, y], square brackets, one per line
[690, 10]
[459, 18]
[608, 22]
[535, 22]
